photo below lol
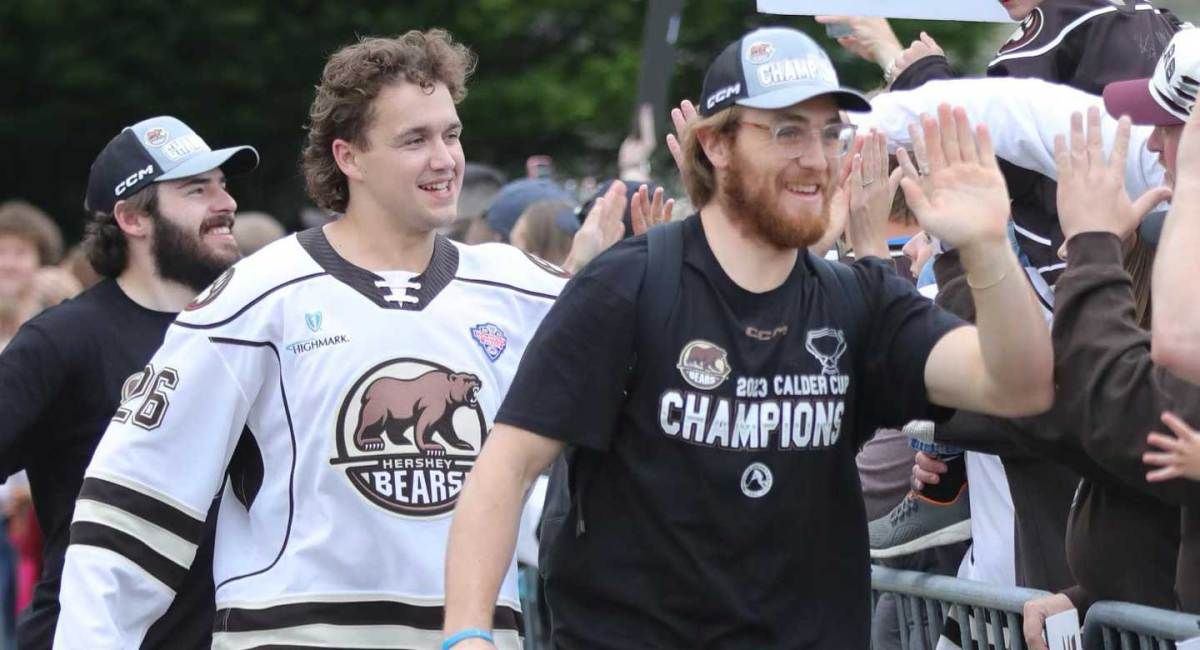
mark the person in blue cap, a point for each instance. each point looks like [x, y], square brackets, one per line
[159, 231]
[711, 382]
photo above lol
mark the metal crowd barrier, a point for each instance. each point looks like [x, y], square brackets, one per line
[1124, 626]
[988, 617]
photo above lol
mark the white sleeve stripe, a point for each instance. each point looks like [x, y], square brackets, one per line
[148, 491]
[160, 540]
[347, 636]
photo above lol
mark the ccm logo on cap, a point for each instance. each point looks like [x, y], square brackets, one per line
[133, 179]
[721, 95]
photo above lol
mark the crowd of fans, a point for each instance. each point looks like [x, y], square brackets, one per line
[1091, 111]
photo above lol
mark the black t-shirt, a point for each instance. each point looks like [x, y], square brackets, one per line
[721, 507]
[60, 383]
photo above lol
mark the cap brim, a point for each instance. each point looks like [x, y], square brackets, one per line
[233, 161]
[1133, 98]
[846, 99]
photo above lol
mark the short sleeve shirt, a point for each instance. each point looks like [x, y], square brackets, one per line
[722, 507]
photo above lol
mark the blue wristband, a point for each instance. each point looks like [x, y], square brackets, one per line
[463, 635]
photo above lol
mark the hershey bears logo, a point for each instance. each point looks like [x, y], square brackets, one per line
[409, 431]
[547, 266]
[1027, 31]
[210, 294]
[703, 364]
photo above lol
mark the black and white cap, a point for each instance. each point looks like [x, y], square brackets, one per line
[1167, 98]
[773, 67]
[158, 149]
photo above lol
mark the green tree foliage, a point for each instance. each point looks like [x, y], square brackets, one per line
[555, 76]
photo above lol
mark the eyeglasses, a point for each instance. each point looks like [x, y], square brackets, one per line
[835, 139]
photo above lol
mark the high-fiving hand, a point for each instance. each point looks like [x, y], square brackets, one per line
[963, 201]
[1091, 188]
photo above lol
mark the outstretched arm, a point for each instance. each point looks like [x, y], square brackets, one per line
[1024, 116]
[484, 532]
[1003, 365]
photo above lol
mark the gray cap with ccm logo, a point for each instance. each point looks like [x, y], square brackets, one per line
[773, 67]
[158, 149]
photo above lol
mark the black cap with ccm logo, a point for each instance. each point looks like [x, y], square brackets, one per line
[773, 67]
[158, 149]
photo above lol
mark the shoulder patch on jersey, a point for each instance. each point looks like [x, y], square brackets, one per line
[491, 339]
[1026, 32]
[547, 266]
[210, 294]
[248, 282]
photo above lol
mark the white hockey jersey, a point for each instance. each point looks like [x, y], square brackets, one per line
[336, 411]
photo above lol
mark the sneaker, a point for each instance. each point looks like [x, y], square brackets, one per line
[918, 523]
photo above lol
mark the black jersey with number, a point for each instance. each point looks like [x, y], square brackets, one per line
[60, 382]
[720, 503]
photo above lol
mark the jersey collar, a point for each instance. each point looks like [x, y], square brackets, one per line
[442, 267]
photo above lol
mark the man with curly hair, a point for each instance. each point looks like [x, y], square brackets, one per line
[333, 389]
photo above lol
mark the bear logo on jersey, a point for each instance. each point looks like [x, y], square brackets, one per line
[703, 364]
[409, 431]
[1027, 31]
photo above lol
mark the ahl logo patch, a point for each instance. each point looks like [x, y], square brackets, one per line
[408, 431]
[757, 480]
[157, 137]
[704, 365]
[491, 339]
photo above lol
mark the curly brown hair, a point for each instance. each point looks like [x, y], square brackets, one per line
[353, 78]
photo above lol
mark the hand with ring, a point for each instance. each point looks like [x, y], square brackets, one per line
[871, 201]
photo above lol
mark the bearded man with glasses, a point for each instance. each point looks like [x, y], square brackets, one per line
[711, 429]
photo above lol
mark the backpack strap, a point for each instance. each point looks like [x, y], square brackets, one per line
[660, 284]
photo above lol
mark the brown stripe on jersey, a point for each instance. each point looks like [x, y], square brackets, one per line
[143, 506]
[371, 612]
[86, 533]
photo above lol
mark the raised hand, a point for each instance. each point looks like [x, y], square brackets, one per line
[634, 155]
[870, 38]
[1177, 456]
[603, 227]
[681, 117]
[964, 201]
[645, 213]
[871, 190]
[920, 48]
[1091, 188]
[839, 203]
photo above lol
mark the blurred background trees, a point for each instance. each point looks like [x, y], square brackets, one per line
[555, 77]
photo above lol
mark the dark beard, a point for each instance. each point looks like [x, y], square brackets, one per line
[753, 210]
[180, 257]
